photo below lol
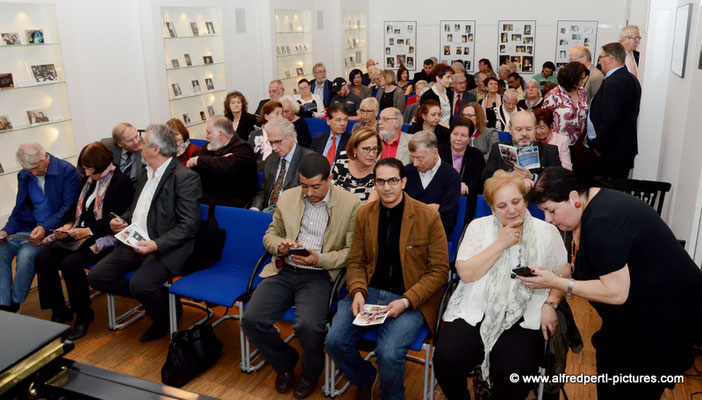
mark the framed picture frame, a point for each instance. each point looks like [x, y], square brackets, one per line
[681, 37]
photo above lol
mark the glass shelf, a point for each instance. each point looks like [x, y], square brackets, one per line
[33, 86]
[23, 127]
[196, 95]
[296, 54]
[29, 45]
[194, 66]
[191, 37]
[293, 32]
[190, 125]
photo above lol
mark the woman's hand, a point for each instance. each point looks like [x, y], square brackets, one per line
[549, 320]
[79, 233]
[62, 232]
[543, 279]
[509, 235]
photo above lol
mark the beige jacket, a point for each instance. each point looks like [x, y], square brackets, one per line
[342, 208]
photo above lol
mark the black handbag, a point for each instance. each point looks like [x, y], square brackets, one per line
[190, 353]
[209, 244]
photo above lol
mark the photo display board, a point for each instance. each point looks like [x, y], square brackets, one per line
[400, 44]
[457, 41]
[515, 40]
[572, 33]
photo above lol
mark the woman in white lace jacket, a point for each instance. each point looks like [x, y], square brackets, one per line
[493, 319]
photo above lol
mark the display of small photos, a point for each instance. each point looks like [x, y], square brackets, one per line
[573, 33]
[399, 42]
[37, 117]
[193, 27]
[188, 61]
[457, 39]
[210, 28]
[209, 83]
[516, 43]
[11, 39]
[35, 36]
[171, 29]
[44, 73]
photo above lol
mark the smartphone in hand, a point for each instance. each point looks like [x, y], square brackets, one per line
[299, 251]
[523, 271]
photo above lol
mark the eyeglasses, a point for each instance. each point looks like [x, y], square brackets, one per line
[277, 142]
[366, 111]
[391, 181]
[385, 119]
[468, 115]
[636, 38]
[576, 58]
[369, 150]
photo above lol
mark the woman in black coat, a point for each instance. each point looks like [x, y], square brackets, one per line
[83, 240]
[427, 119]
[235, 109]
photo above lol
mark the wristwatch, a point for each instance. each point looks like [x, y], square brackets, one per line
[569, 293]
[406, 303]
[552, 304]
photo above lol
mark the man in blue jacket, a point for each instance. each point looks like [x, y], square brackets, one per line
[46, 188]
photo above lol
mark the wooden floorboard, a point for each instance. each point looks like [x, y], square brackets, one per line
[122, 352]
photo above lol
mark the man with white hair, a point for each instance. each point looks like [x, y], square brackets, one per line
[46, 188]
[125, 144]
[226, 165]
[366, 78]
[394, 140]
[479, 90]
[505, 112]
[582, 55]
[166, 210]
[420, 87]
[503, 72]
[630, 38]
[320, 85]
[276, 90]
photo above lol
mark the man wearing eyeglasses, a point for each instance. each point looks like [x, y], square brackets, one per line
[394, 140]
[332, 144]
[399, 260]
[582, 55]
[125, 144]
[630, 38]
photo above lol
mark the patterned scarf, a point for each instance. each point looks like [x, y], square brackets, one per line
[504, 307]
[183, 146]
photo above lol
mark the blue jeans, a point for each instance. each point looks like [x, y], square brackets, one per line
[24, 273]
[395, 336]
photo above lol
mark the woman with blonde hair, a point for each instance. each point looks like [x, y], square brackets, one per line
[368, 112]
[389, 95]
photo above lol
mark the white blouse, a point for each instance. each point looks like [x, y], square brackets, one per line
[445, 104]
[467, 301]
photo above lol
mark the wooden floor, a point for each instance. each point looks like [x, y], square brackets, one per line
[122, 352]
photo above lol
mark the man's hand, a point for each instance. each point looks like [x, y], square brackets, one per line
[464, 189]
[146, 247]
[285, 245]
[192, 162]
[37, 235]
[310, 260]
[117, 225]
[395, 308]
[3, 235]
[523, 172]
[358, 302]
[79, 233]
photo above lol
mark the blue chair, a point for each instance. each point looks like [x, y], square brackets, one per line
[504, 136]
[405, 128]
[455, 236]
[198, 142]
[482, 209]
[225, 282]
[317, 126]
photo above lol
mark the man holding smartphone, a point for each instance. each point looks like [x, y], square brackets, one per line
[310, 237]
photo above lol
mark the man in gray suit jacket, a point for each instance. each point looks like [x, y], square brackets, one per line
[582, 55]
[166, 208]
[125, 144]
[280, 168]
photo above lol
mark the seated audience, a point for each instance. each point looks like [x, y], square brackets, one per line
[568, 102]
[357, 86]
[46, 188]
[403, 81]
[355, 173]
[311, 104]
[441, 91]
[84, 239]
[320, 85]
[514, 81]
[425, 73]
[546, 75]
[492, 100]
[411, 110]
[125, 144]
[532, 97]
[427, 119]
[332, 144]
[504, 113]
[226, 165]
[167, 210]
[280, 169]
[341, 94]
[484, 137]
[460, 96]
[291, 110]
[368, 112]
[389, 95]
[432, 181]
[544, 134]
[479, 91]
[381, 271]
[236, 110]
[491, 319]
[394, 140]
[318, 217]
[258, 140]
[523, 130]
[276, 90]
[186, 150]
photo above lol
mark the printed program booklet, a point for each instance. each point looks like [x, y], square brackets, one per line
[527, 157]
[131, 235]
[372, 314]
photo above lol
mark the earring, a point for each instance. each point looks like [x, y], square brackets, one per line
[578, 204]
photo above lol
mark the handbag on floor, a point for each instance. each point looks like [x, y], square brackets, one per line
[190, 352]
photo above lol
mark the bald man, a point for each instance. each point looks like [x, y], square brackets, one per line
[582, 55]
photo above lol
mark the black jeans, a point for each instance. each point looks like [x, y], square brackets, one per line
[308, 291]
[460, 349]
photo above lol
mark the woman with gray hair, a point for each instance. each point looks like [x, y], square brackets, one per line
[504, 113]
[291, 110]
[368, 111]
[532, 97]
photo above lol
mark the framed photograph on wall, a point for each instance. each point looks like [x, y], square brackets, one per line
[399, 37]
[572, 33]
[457, 41]
[683, 15]
[516, 43]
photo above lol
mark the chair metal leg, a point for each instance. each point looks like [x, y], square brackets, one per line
[173, 313]
[115, 322]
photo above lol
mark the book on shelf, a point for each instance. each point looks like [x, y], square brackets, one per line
[527, 157]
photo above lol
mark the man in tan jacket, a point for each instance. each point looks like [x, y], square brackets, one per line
[310, 238]
[398, 259]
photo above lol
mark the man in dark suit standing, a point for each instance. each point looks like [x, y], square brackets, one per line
[611, 125]
[280, 168]
[276, 90]
[166, 208]
[320, 85]
[523, 129]
[126, 149]
[425, 73]
[332, 144]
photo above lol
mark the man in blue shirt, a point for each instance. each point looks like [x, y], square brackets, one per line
[46, 188]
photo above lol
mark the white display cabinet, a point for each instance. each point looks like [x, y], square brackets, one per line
[194, 60]
[355, 43]
[293, 46]
[34, 104]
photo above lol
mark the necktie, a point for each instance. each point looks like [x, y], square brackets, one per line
[278, 185]
[127, 167]
[457, 108]
[631, 63]
[331, 154]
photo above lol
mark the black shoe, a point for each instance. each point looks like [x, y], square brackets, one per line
[304, 388]
[78, 331]
[155, 331]
[284, 381]
[14, 307]
[62, 315]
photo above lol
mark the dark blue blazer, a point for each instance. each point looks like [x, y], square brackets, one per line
[327, 91]
[444, 190]
[320, 141]
[61, 189]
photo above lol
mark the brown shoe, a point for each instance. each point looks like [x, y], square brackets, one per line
[284, 381]
[304, 388]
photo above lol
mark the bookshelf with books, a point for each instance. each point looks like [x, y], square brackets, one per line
[355, 43]
[293, 47]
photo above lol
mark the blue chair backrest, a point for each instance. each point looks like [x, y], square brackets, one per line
[203, 212]
[482, 209]
[198, 142]
[317, 126]
[405, 128]
[504, 136]
[455, 235]
[350, 125]
[245, 230]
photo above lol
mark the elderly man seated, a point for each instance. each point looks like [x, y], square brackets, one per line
[125, 144]
[394, 140]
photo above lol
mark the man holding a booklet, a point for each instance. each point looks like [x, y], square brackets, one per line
[398, 261]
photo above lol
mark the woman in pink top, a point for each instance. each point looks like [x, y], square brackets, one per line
[568, 102]
[544, 134]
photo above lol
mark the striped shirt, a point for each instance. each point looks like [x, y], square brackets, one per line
[314, 223]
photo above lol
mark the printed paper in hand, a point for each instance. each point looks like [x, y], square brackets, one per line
[527, 157]
[131, 235]
[372, 314]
